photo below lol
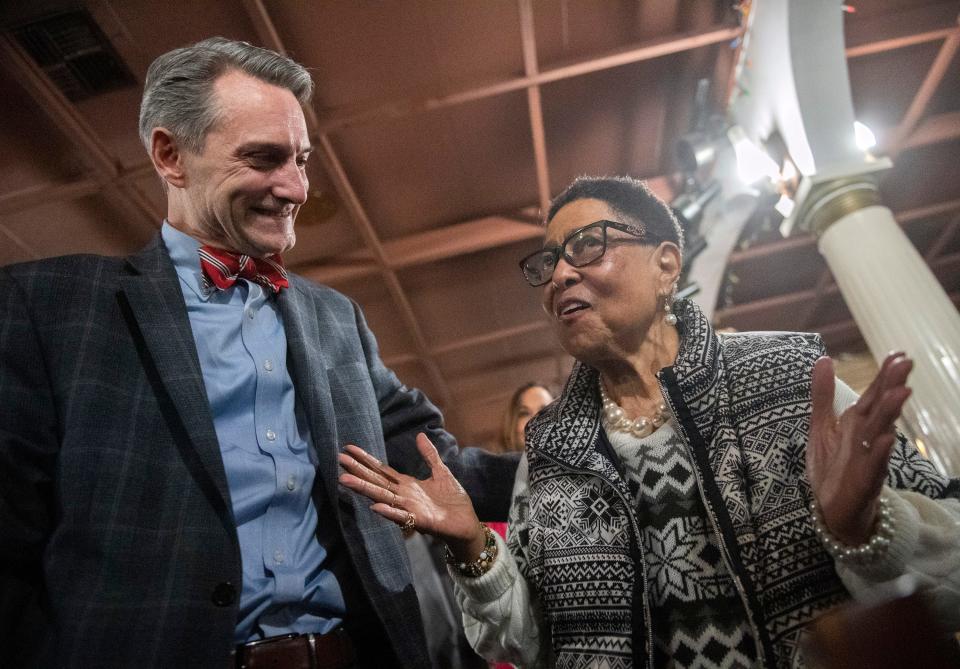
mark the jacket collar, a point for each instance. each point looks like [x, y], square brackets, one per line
[568, 429]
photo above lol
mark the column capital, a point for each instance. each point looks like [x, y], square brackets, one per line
[826, 197]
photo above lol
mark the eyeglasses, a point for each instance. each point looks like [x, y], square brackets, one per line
[581, 247]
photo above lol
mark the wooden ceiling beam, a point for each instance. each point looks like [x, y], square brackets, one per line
[918, 106]
[893, 43]
[335, 119]
[943, 239]
[933, 130]
[532, 69]
[19, 243]
[435, 245]
[899, 29]
[65, 115]
[45, 193]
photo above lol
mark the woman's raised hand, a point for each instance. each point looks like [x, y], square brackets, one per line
[847, 457]
[438, 505]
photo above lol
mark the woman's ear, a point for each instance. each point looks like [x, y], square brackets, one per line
[669, 263]
[167, 157]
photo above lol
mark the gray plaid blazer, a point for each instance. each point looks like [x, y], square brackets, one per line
[118, 545]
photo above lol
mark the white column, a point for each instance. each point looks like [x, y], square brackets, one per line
[899, 305]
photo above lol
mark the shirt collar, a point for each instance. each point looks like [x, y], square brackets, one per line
[183, 252]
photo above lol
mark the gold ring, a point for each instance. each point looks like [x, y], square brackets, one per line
[409, 525]
[393, 502]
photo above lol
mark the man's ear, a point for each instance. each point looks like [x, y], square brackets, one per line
[167, 157]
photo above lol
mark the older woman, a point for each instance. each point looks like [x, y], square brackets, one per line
[691, 498]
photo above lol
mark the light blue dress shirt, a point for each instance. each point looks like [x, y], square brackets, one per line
[266, 450]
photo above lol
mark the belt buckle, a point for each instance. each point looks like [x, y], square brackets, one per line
[246, 649]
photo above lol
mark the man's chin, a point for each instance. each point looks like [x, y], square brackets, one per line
[271, 243]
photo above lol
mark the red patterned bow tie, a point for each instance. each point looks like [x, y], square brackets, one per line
[223, 268]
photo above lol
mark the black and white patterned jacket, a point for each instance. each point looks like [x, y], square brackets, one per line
[742, 404]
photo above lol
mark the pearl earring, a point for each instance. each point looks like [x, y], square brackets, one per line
[670, 318]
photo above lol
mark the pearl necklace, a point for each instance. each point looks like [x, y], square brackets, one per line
[618, 421]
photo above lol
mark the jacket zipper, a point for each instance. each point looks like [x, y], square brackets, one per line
[637, 540]
[725, 550]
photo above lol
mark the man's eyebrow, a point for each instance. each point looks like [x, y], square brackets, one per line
[268, 147]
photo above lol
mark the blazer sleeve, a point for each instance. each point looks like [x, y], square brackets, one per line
[405, 412]
[28, 451]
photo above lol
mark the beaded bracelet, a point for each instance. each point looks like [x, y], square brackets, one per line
[482, 564]
[865, 553]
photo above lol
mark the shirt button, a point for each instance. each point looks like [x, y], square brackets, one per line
[268, 365]
[292, 483]
[250, 314]
[278, 556]
[271, 435]
[224, 594]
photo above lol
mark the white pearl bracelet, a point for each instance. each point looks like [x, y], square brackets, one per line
[865, 553]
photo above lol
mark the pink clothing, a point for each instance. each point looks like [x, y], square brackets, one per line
[501, 529]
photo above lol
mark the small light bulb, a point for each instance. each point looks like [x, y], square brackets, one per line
[864, 136]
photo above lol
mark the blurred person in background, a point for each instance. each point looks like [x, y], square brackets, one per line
[525, 403]
[691, 498]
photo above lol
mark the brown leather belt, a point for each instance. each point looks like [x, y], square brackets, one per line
[298, 651]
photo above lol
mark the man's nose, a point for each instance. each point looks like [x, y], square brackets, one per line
[292, 183]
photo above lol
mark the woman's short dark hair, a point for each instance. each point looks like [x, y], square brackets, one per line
[628, 197]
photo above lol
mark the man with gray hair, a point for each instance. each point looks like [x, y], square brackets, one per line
[170, 421]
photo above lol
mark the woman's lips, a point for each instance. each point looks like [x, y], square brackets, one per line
[569, 308]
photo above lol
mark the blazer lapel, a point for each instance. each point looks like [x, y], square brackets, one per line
[159, 319]
[308, 369]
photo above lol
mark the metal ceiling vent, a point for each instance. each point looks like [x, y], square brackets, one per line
[75, 54]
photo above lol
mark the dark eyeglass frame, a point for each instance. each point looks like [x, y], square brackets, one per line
[639, 233]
